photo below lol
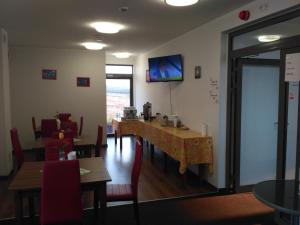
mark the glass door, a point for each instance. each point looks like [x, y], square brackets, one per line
[292, 157]
[119, 93]
[257, 121]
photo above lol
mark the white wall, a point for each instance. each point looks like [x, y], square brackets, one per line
[5, 109]
[33, 96]
[205, 46]
[110, 59]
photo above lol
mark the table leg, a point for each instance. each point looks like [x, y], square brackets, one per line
[121, 142]
[116, 137]
[103, 203]
[184, 179]
[96, 203]
[31, 208]
[19, 207]
[152, 152]
[165, 162]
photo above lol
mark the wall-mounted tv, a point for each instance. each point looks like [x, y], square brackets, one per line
[166, 68]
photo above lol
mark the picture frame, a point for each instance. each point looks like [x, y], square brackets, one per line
[83, 82]
[49, 74]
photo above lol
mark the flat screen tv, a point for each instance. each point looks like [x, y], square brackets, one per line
[166, 68]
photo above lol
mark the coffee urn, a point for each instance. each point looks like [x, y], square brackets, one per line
[147, 111]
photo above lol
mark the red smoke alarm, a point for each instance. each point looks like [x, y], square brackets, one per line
[244, 15]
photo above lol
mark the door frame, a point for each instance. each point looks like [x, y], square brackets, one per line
[233, 56]
[237, 154]
[284, 52]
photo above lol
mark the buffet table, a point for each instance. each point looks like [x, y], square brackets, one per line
[186, 146]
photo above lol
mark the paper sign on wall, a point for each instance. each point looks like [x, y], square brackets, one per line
[292, 67]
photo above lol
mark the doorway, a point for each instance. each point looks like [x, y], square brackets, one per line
[262, 108]
[256, 121]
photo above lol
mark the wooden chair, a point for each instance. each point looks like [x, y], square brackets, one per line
[69, 126]
[48, 127]
[63, 117]
[53, 146]
[17, 149]
[60, 193]
[99, 141]
[80, 126]
[37, 133]
[128, 192]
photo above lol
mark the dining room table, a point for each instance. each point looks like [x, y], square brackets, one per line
[82, 145]
[93, 177]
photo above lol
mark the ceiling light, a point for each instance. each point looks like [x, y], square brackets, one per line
[122, 55]
[181, 2]
[107, 27]
[268, 38]
[93, 45]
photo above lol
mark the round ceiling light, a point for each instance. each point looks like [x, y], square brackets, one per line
[107, 27]
[268, 38]
[93, 45]
[181, 2]
[122, 55]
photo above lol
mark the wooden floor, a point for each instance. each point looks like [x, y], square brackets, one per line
[154, 182]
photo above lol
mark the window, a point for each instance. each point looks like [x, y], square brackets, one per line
[119, 93]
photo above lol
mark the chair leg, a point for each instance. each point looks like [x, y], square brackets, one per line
[136, 211]
[31, 209]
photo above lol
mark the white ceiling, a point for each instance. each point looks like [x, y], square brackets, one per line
[65, 23]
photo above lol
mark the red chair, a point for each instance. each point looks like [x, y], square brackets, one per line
[48, 127]
[61, 194]
[53, 146]
[128, 192]
[63, 117]
[69, 126]
[99, 141]
[81, 126]
[37, 133]
[17, 147]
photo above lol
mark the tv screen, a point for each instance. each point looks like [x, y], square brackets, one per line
[166, 68]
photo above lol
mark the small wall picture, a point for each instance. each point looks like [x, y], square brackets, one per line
[147, 76]
[49, 74]
[83, 81]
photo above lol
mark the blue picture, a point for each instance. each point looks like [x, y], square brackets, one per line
[167, 68]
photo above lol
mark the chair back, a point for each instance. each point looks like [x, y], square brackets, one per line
[64, 117]
[99, 141]
[136, 169]
[81, 126]
[33, 124]
[69, 127]
[36, 133]
[60, 192]
[52, 147]
[48, 127]
[17, 147]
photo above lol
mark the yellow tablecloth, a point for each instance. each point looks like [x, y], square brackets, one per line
[186, 146]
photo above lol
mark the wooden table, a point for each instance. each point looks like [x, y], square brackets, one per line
[186, 146]
[82, 143]
[27, 183]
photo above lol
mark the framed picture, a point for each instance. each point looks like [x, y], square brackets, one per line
[83, 81]
[147, 76]
[49, 74]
